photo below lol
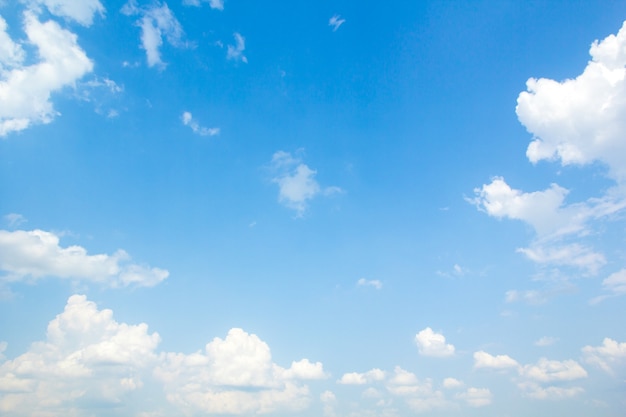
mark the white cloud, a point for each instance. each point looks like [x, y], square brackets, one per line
[11, 53]
[531, 296]
[25, 90]
[430, 343]
[616, 282]
[546, 341]
[214, 4]
[536, 391]
[296, 182]
[188, 120]
[419, 395]
[577, 121]
[81, 11]
[536, 376]
[88, 361]
[157, 21]
[476, 397]
[549, 371]
[451, 383]
[573, 255]
[235, 375]
[581, 120]
[335, 22]
[483, 359]
[14, 219]
[235, 52]
[370, 283]
[355, 378]
[36, 254]
[87, 358]
[607, 356]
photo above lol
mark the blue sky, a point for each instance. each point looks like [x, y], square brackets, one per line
[312, 208]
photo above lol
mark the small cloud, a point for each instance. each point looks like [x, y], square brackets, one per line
[335, 22]
[214, 4]
[14, 219]
[187, 119]
[235, 52]
[546, 341]
[296, 182]
[434, 344]
[370, 283]
[452, 383]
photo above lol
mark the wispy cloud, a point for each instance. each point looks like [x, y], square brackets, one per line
[188, 120]
[235, 52]
[335, 22]
[156, 21]
[370, 283]
[14, 219]
[214, 4]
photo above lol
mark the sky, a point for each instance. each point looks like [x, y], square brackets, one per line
[315, 209]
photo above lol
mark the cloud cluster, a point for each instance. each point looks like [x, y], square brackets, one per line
[577, 121]
[35, 254]
[542, 380]
[296, 182]
[419, 395]
[90, 360]
[87, 359]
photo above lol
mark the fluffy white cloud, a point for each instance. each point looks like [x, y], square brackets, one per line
[483, 359]
[335, 22]
[581, 120]
[451, 383]
[36, 254]
[355, 378]
[87, 359]
[157, 21]
[188, 120]
[549, 371]
[430, 343]
[370, 283]
[296, 182]
[476, 397]
[607, 356]
[214, 4]
[235, 375]
[25, 90]
[235, 52]
[81, 11]
[577, 121]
